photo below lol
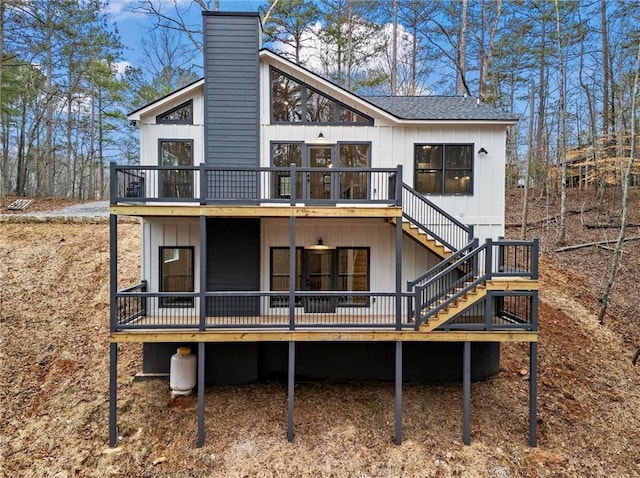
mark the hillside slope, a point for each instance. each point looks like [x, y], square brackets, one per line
[54, 389]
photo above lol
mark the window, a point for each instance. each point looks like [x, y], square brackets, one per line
[182, 114]
[353, 274]
[444, 168]
[176, 183]
[354, 155]
[280, 274]
[296, 102]
[342, 269]
[282, 155]
[176, 275]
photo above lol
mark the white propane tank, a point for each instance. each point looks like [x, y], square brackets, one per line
[182, 374]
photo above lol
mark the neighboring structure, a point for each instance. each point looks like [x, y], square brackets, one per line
[292, 229]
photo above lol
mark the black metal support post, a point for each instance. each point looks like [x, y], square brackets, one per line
[466, 394]
[201, 380]
[399, 273]
[533, 393]
[113, 272]
[113, 394]
[291, 379]
[203, 273]
[292, 273]
[398, 437]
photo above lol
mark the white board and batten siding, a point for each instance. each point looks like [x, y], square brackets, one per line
[169, 232]
[391, 146]
[151, 132]
[376, 234]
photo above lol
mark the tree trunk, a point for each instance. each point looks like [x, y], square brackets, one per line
[461, 84]
[562, 104]
[615, 260]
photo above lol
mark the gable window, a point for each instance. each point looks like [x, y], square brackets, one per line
[295, 102]
[176, 275]
[176, 183]
[181, 114]
[444, 168]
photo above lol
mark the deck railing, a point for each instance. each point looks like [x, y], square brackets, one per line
[434, 221]
[229, 310]
[452, 279]
[205, 184]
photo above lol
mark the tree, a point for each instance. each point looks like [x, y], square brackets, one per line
[289, 23]
[615, 259]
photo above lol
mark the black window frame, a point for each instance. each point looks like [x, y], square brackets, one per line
[443, 169]
[338, 105]
[283, 301]
[180, 174]
[348, 301]
[161, 118]
[343, 301]
[175, 302]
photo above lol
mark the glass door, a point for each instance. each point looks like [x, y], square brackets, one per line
[319, 275]
[319, 183]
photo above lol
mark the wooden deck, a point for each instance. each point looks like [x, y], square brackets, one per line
[195, 210]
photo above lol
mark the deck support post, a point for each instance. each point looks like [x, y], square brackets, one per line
[533, 393]
[292, 272]
[398, 311]
[466, 394]
[113, 392]
[201, 380]
[398, 434]
[203, 274]
[291, 378]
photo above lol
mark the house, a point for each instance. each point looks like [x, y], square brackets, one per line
[291, 229]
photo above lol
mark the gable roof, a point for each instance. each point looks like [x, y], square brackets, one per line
[402, 109]
[408, 109]
[176, 95]
[443, 108]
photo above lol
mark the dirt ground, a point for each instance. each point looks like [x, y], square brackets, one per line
[54, 380]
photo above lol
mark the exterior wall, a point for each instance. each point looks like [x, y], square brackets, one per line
[168, 232]
[151, 133]
[232, 93]
[393, 144]
[373, 233]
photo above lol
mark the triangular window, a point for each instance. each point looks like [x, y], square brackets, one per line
[181, 114]
[295, 102]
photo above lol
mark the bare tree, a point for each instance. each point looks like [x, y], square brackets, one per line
[615, 260]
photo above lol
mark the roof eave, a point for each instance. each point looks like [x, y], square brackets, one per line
[185, 90]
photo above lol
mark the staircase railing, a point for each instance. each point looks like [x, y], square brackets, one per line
[434, 221]
[454, 277]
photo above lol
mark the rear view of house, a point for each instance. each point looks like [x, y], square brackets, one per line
[291, 229]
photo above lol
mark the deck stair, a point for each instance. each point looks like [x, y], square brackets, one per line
[470, 298]
[423, 238]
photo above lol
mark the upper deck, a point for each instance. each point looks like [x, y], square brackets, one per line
[256, 192]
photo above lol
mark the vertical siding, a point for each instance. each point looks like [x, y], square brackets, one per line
[168, 232]
[376, 234]
[232, 91]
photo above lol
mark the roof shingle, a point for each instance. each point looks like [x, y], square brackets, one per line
[444, 108]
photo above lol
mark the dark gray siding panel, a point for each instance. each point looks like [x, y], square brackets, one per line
[232, 89]
[233, 264]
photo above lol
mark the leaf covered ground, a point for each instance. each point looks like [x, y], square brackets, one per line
[54, 380]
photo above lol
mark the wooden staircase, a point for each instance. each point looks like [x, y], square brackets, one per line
[470, 298]
[423, 238]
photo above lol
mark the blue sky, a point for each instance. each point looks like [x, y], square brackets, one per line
[132, 27]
